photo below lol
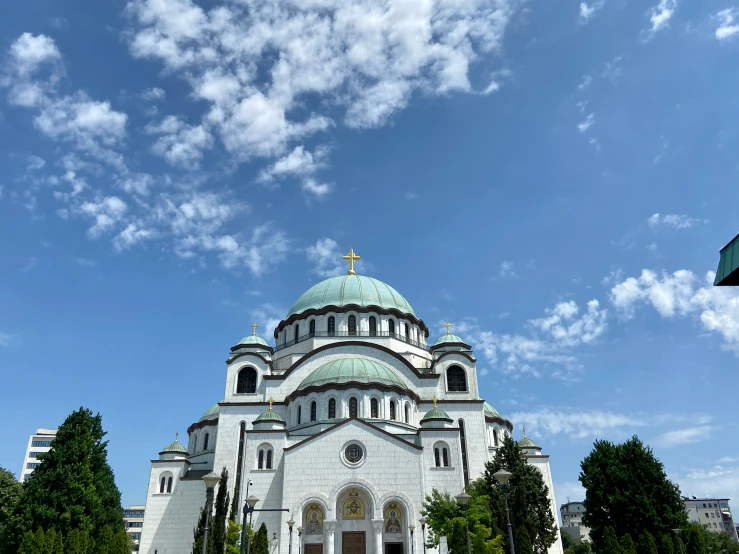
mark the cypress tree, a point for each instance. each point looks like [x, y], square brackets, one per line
[666, 546]
[73, 488]
[199, 531]
[32, 543]
[105, 541]
[261, 541]
[696, 541]
[523, 542]
[217, 528]
[627, 544]
[646, 544]
[610, 542]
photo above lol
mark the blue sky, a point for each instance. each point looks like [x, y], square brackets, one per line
[555, 178]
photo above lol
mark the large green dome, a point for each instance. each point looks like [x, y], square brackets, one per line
[351, 289]
[352, 370]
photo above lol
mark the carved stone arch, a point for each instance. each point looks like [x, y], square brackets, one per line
[397, 496]
[362, 484]
[313, 498]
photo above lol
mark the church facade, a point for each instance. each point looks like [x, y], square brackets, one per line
[348, 422]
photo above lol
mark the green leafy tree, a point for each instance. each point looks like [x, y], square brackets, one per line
[78, 542]
[73, 488]
[11, 492]
[32, 543]
[523, 542]
[54, 542]
[217, 528]
[666, 546]
[233, 537]
[627, 544]
[696, 541]
[528, 498]
[261, 541]
[581, 547]
[646, 544]
[610, 542]
[626, 487]
[567, 540]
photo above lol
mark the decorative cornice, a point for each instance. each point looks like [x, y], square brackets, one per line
[348, 420]
[201, 424]
[452, 401]
[445, 354]
[325, 347]
[276, 402]
[170, 461]
[262, 346]
[351, 385]
[493, 419]
[232, 359]
[352, 308]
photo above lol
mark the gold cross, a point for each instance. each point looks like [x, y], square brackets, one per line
[254, 329]
[435, 401]
[524, 431]
[270, 403]
[351, 257]
[447, 325]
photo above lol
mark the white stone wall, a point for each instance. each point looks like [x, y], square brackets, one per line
[542, 464]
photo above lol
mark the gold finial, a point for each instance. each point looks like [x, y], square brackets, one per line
[270, 403]
[524, 431]
[254, 329]
[351, 257]
[447, 325]
[435, 401]
[176, 435]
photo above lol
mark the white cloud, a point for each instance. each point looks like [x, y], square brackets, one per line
[587, 11]
[578, 424]
[107, 212]
[570, 491]
[132, 235]
[5, 339]
[315, 188]
[676, 221]
[567, 329]
[181, 145]
[35, 162]
[727, 28]
[585, 83]
[153, 94]
[268, 317]
[325, 257]
[29, 52]
[586, 123]
[687, 435]
[298, 162]
[720, 481]
[660, 15]
[681, 294]
[84, 262]
[729, 460]
[506, 269]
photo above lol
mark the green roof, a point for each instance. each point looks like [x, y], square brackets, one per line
[175, 447]
[212, 412]
[352, 370]
[351, 289]
[727, 273]
[448, 339]
[526, 442]
[436, 413]
[490, 410]
[269, 416]
[254, 339]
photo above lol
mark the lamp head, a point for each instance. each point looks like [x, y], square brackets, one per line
[502, 477]
[412, 528]
[290, 524]
[211, 479]
[422, 521]
[463, 499]
[300, 530]
[677, 531]
[252, 501]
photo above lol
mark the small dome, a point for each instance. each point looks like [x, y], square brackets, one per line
[253, 340]
[526, 442]
[352, 370]
[449, 340]
[436, 414]
[269, 417]
[347, 290]
[175, 447]
[212, 412]
[489, 410]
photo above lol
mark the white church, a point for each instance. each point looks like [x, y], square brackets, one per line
[348, 422]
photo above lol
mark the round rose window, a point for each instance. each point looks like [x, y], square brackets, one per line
[353, 453]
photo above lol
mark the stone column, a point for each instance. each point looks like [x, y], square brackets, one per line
[330, 527]
[377, 525]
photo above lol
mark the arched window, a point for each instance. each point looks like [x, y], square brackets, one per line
[260, 461]
[247, 381]
[299, 414]
[391, 327]
[313, 411]
[437, 460]
[407, 413]
[332, 408]
[205, 441]
[161, 485]
[392, 410]
[312, 328]
[169, 485]
[373, 326]
[269, 459]
[495, 436]
[373, 408]
[407, 332]
[353, 407]
[297, 332]
[455, 379]
[352, 325]
[194, 443]
[331, 326]
[445, 457]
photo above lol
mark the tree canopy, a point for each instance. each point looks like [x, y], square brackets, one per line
[626, 487]
[10, 494]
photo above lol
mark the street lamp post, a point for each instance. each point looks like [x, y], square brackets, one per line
[412, 528]
[246, 511]
[300, 540]
[464, 500]
[251, 501]
[679, 542]
[502, 477]
[422, 521]
[290, 524]
[211, 480]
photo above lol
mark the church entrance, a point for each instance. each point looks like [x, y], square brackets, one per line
[393, 548]
[313, 549]
[352, 542]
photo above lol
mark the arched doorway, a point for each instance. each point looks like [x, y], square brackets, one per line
[356, 533]
[395, 528]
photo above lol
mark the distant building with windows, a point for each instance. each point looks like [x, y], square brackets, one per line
[713, 513]
[38, 443]
[572, 513]
[133, 517]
